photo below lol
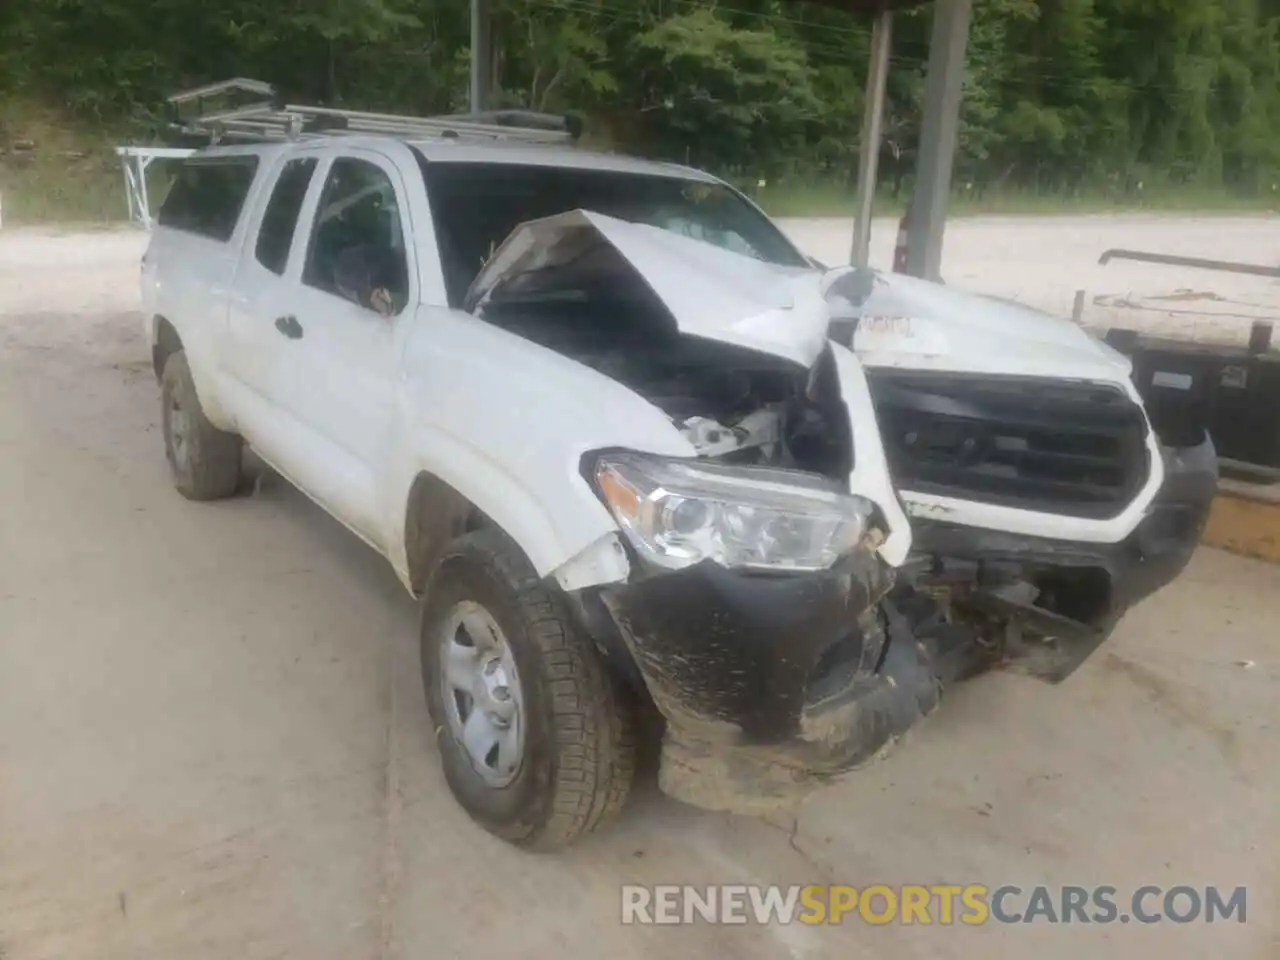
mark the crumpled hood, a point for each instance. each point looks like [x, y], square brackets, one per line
[903, 321]
[710, 292]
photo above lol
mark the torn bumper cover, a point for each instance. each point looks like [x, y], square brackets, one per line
[771, 685]
[1122, 574]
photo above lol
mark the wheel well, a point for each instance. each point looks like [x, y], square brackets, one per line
[167, 342]
[437, 515]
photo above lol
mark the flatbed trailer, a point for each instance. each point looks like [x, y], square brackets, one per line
[1231, 392]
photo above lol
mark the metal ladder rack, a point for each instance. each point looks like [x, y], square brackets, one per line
[269, 119]
[266, 118]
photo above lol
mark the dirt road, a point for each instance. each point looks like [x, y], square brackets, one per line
[213, 742]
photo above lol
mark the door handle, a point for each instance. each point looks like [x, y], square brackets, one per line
[289, 326]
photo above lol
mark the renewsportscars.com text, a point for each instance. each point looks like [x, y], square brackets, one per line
[931, 904]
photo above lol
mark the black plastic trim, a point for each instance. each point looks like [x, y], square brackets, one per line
[1065, 447]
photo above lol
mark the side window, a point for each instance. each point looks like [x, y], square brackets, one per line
[207, 195]
[357, 248]
[279, 220]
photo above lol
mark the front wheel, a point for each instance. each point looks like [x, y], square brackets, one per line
[536, 736]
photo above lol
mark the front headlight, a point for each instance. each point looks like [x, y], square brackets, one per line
[680, 512]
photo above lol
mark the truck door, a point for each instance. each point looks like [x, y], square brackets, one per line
[349, 310]
[260, 361]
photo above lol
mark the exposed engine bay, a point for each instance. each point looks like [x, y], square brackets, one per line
[730, 403]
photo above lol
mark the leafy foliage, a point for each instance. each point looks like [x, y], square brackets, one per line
[727, 94]
[1061, 95]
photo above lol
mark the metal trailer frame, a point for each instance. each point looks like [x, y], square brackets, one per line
[1231, 393]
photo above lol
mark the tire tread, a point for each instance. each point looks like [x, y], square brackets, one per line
[592, 715]
[213, 465]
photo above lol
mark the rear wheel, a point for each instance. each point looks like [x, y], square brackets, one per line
[204, 461]
[536, 736]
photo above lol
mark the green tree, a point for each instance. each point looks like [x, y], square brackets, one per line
[723, 96]
[1060, 95]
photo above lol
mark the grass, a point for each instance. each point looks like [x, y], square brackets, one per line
[54, 187]
[55, 171]
[72, 191]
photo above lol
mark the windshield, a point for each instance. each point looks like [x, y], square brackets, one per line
[476, 206]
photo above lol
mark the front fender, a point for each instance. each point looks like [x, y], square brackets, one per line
[506, 424]
[550, 532]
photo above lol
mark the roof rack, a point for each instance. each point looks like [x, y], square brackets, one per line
[267, 118]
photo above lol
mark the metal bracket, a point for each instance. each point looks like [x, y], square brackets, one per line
[135, 161]
[1197, 263]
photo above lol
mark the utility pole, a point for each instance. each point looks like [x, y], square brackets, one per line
[938, 134]
[872, 135]
[481, 53]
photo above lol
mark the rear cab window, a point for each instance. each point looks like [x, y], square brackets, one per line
[280, 218]
[208, 195]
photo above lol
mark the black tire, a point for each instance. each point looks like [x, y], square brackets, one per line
[579, 735]
[204, 461]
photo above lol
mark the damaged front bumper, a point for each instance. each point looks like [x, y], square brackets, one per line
[1091, 585]
[774, 684]
[770, 684]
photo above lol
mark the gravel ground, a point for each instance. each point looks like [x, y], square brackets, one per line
[213, 742]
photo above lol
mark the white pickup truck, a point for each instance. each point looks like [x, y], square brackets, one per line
[613, 426]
